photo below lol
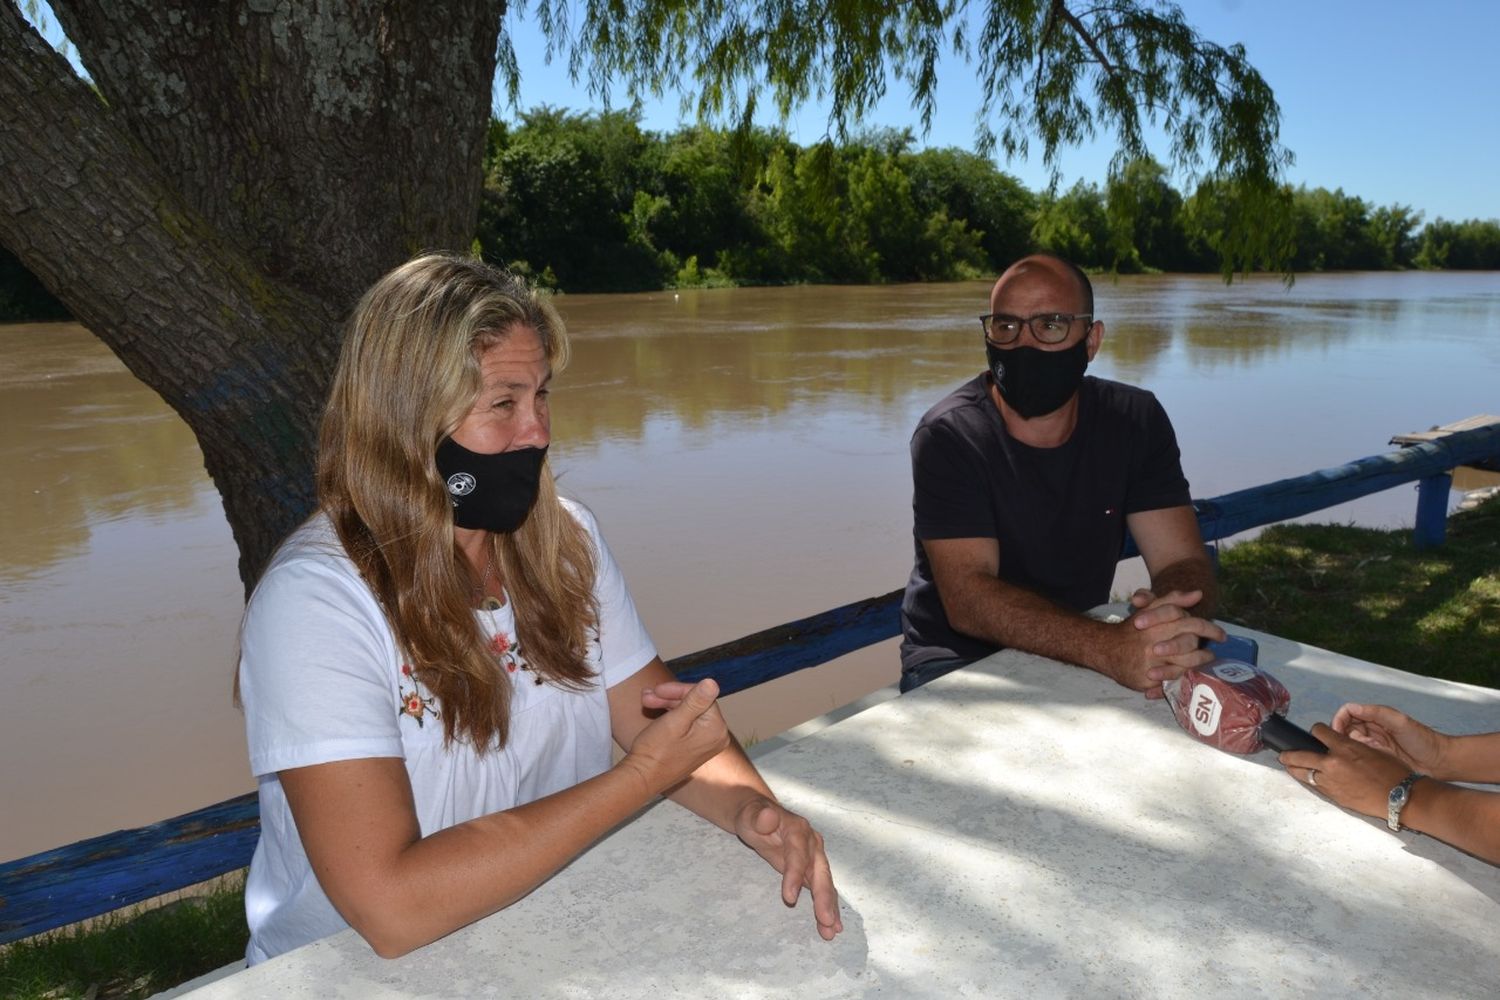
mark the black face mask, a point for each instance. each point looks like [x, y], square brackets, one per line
[1036, 382]
[490, 492]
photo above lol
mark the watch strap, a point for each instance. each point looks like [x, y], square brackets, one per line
[1397, 799]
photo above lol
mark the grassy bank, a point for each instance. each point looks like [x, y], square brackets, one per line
[131, 954]
[1370, 594]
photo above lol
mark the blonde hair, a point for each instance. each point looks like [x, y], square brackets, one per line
[407, 375]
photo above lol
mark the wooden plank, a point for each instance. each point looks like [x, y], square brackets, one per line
[83, 880]
[784, 649]
[1467, 423]
[1288, 498]
[1443, 430]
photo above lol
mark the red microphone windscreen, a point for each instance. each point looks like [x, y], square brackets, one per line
[1224, 703]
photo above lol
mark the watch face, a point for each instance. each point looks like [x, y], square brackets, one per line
[1398, 795]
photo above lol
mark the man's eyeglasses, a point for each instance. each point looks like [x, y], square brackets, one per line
[1047, 328]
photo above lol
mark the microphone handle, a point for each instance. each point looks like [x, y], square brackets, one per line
[1279, 734]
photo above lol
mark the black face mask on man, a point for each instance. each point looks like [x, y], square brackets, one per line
[1035, 382]
[490, 492]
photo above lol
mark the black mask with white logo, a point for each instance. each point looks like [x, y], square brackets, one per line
[1035, 382]
[490, 492]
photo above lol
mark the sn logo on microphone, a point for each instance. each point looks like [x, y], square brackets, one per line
[1206, 710]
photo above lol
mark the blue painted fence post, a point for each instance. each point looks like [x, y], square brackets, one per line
[1432, 510]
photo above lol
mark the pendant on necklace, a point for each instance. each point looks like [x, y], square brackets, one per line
[491, 603]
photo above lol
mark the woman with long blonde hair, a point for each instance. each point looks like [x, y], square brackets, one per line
[434, 665]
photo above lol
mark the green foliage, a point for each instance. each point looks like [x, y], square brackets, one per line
[967, 187]
[1391, 229]
[591, 202]
[130, 955]
[1145, 220]
[705, 178]
[1333, 231]
[1048, 73]
[602, 206]
[562, 191]
[1370, 594]
[1075, 225]
[1217, 227]
[1470, 245]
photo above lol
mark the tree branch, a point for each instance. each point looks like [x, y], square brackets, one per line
[1060, 9]
[184, 309]
[83, 209]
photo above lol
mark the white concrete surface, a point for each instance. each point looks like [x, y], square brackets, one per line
[1019, 828]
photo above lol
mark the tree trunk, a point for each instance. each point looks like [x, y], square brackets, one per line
[250, 169]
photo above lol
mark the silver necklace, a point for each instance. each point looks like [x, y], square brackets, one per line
[485, 600]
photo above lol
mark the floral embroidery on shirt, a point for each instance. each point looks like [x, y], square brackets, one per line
[509, 655]
[412, 702]
[500, 646]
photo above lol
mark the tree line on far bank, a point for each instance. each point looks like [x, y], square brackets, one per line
[592, 202]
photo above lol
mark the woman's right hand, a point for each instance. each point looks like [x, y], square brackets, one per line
[1419, 747]
[684, 737]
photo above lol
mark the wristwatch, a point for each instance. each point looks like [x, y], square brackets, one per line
[1397, 800]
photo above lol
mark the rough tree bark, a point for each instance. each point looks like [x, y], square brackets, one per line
[240, 176]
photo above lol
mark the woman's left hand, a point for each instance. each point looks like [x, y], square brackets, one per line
[1354, 775]
[787, 841]
[791, 846]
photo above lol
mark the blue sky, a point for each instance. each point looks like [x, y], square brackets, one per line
[1392, 100]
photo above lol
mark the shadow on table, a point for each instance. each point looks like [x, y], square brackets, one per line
[1132, 850]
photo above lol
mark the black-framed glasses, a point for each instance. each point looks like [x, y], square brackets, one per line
[1047, 328]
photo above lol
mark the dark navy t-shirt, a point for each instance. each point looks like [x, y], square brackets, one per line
[1057, 513]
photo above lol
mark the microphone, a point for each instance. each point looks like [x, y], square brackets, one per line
[1238, 708]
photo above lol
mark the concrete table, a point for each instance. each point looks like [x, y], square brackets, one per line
[1018, 828]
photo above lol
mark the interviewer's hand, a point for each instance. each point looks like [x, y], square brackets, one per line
[791, 846]
[672, 747]
[1419, 747]
[1354, 775]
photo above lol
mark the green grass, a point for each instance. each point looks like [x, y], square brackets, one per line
[131, 954]
[1371, 594]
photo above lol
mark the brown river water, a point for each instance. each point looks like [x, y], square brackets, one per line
[744, 450]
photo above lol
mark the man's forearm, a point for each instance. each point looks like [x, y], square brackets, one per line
[1014, 617]
[1196, 573]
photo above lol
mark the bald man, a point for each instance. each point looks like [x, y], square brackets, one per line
[1025, 480]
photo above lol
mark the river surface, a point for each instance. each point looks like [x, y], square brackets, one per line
[744, 450]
